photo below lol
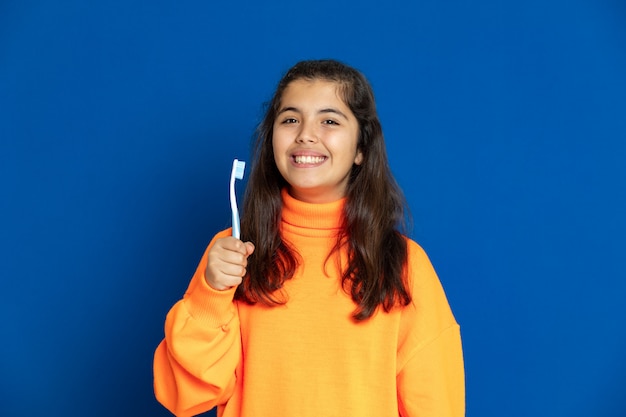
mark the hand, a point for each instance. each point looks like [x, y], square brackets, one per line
[227, 261]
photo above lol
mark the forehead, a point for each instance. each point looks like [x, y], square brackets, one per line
[313, 91]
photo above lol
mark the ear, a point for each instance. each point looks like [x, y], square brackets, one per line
[358, 159]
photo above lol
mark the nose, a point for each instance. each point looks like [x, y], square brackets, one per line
[307, 133]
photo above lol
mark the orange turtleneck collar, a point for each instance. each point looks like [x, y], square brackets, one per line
[308, 218]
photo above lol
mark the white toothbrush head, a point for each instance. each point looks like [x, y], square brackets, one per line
[238, 169]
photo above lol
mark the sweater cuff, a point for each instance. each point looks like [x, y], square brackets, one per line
[208, 305]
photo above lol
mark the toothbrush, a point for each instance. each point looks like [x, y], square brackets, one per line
[236, 173]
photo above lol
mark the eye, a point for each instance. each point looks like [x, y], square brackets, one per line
[330, 122]
[289, 120]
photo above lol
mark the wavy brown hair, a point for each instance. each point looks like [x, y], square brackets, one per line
[375, 211]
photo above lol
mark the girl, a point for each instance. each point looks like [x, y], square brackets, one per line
[326, 309]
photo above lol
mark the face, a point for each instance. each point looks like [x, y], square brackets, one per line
[315, 141]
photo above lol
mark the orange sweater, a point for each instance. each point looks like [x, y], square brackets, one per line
[308, 357]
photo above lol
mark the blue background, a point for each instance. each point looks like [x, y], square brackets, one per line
[506, 127]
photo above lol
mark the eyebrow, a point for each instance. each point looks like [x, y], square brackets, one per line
[322, 111]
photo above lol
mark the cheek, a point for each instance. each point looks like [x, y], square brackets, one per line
[280, 143]
[278, 139]
[275, 143]
[279, 151]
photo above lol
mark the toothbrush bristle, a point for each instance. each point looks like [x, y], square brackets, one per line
[240, 167]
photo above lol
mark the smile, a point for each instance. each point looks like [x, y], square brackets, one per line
[308, 159]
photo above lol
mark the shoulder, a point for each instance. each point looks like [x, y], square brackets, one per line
[429, 310]
[418, 262]
[426, 287]
[415, 250]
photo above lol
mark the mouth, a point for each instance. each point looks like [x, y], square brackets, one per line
[308, 159]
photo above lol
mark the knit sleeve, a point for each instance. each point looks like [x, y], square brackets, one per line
[195, 365]
[430, 374]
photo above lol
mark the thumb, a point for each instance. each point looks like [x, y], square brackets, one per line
[249, 248]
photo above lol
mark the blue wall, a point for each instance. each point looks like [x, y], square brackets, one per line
[506, 127]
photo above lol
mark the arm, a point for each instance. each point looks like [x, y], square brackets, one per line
[195, 365]
[431, 382]
[430, 377]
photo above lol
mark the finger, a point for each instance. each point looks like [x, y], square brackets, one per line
[221, 275]
[231, 270]
[249, 246]
[224, 282]
[231, 257]
[233, 244]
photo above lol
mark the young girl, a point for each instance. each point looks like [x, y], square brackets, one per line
[323, 308]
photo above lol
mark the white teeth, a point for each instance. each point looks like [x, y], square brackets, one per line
[307, 159]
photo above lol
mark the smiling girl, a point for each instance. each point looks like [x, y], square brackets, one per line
[324, 308]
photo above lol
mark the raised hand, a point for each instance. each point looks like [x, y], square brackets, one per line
[227, 261]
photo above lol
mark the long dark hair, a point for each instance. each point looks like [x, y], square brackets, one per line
[375, 211]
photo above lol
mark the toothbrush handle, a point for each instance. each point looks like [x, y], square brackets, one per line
[236, 229]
